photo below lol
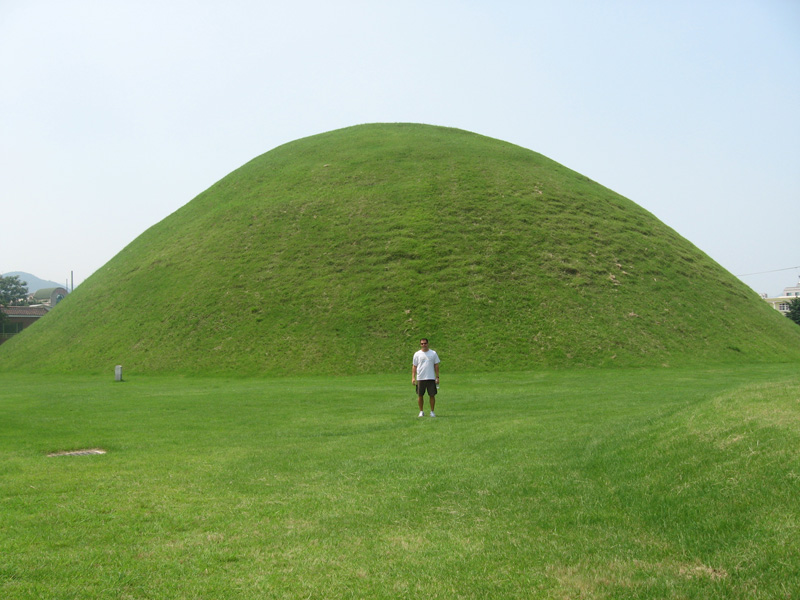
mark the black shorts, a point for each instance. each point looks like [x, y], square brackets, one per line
[426, 385]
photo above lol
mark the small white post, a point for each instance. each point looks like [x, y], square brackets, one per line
[118, 373]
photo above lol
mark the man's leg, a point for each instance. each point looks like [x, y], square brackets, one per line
[421, 400]
[433, 401]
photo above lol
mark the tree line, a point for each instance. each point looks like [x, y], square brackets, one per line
[13, 292]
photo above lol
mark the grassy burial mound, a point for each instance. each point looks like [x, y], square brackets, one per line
[333, 254]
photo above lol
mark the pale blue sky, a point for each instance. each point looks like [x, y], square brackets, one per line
[115, 113]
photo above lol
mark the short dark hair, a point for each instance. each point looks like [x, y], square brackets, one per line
[423, 339]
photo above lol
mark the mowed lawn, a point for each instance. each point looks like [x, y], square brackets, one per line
[657, 483]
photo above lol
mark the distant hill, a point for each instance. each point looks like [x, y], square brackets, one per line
[34, 283]
[335, 253]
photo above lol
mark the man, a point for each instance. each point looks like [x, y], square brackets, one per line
[425, 375]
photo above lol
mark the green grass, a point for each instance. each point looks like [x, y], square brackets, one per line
[626, 483]
[331, 254]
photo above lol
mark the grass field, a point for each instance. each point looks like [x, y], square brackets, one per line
[656, 483]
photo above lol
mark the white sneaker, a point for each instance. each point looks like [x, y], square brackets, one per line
[433, 414]
[421, 414]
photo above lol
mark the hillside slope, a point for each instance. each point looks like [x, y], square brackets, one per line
[335, 253]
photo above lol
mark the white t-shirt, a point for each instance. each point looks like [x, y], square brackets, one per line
[424, 362]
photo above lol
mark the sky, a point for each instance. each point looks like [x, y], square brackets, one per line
[115, 113]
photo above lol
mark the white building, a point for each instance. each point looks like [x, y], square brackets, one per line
[781, 303]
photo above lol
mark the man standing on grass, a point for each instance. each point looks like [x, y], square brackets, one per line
[425, 374]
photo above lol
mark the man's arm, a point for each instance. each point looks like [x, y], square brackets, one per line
[436, 368]
[413, 374]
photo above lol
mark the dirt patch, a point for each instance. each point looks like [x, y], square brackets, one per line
[703, 571]
[86, 452]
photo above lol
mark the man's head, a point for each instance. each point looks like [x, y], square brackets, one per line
[423, 343]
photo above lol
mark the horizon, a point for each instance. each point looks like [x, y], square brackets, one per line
[70, 286]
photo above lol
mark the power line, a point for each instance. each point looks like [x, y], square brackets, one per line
[765, 272]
